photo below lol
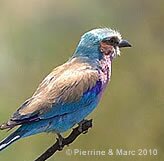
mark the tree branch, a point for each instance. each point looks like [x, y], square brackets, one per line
[66, 141]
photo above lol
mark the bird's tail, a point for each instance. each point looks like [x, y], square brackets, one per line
[10, 139]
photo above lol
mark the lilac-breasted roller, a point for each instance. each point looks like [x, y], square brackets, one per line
[71, 91]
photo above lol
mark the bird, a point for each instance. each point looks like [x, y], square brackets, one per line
[71, 91]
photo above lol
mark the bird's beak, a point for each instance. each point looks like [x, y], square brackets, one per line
[124, 43]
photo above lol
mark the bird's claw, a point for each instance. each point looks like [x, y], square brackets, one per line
[60, 141]
[80, 128]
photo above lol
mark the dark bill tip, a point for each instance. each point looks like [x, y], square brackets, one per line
[124, 43]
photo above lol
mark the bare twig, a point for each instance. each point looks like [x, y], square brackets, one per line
[66, 141]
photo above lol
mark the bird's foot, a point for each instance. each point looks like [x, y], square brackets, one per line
[80, 128]
[60, 140]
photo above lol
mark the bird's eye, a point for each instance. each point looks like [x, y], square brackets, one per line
[112, 41]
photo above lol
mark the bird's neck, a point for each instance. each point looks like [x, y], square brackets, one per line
[98, 60]
[91, 52]
[105, 69]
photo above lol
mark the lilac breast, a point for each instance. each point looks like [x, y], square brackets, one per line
[105, 71]
[104, 77]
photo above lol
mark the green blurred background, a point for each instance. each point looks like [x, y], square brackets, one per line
[38, 35]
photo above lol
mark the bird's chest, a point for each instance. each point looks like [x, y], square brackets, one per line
[105, 70]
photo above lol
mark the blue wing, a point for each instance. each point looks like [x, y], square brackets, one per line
[86, 100]
[68, 88]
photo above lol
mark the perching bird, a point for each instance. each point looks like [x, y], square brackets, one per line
[71, 91]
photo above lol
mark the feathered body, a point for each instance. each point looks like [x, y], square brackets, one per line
[70, 92]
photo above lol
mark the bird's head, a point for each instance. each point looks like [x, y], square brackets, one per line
[97, 43]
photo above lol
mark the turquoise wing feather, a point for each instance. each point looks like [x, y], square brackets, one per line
[66, 89]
